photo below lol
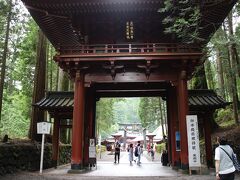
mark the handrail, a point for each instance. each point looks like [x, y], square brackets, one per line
[130, 49]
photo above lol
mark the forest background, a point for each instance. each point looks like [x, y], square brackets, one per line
[22, 45]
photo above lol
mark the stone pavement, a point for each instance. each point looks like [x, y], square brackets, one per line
[107, 170]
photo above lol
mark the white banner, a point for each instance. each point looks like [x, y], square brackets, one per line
[92, 152]
[193, 141]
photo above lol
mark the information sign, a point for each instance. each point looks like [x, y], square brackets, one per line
[193, 141]
[43, 127]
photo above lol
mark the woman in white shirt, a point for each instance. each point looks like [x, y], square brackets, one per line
[223, 163]
[130, 154]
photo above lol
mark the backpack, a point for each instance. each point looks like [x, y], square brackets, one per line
[152, 152]
[136, 151]
[236, 163]
[234, 160]
[117, 148]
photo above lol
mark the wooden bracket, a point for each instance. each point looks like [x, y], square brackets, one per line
[174, 83]
[148, 68]
[113, 68]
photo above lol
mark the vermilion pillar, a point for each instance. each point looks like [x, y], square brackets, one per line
[78, 123]
[172, 125]
[91, 116]
[182, 112]
[208, 142]
[88, 124]
[55, 140]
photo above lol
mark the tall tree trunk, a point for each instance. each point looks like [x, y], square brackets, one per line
[233, 88]
[161, 115]
[200, 79]
[39, 86]
[47, 66]
[209, 75]
[232, 44]
[10, 86]
[220, 73]
[63, 85]
[63, 81]
[232, 65]
[4, 58]
[51, 70]
[231, 78]
[165, 117]
[57, 80]
[236, 57]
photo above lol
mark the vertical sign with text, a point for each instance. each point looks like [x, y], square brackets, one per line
[193, 141]
[92, 148]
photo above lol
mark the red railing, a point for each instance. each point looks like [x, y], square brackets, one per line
[129, 49]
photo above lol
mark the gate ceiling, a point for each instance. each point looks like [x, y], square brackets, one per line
[119, 41]
[65, 22]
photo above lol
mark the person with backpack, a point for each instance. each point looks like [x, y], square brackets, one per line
[223, 162]
[117, 152]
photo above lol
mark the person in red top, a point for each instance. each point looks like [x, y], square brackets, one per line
[148, 148]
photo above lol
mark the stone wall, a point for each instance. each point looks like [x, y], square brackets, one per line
[26, 157]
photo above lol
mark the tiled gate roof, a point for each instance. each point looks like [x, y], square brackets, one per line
[198, 100]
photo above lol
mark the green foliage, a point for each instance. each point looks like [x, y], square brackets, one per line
[52, 70]
[150, 112]
[103, 148]
[111, 111]
[219, 43]
[104, 117]
[15, 118]
[160, 147]
[24, 69]
[210, 75]
[19, 71]
[224, 117]
[199, 80]
[3, 17]
[126, 110]
[182, 19]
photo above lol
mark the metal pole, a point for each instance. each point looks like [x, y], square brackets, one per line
[42, 150]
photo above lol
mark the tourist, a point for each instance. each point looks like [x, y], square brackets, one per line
[117, 152]
[130, 154]
[223, 162]
[152, 153]
[148, 148]
[139, 153]
[164, 158]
